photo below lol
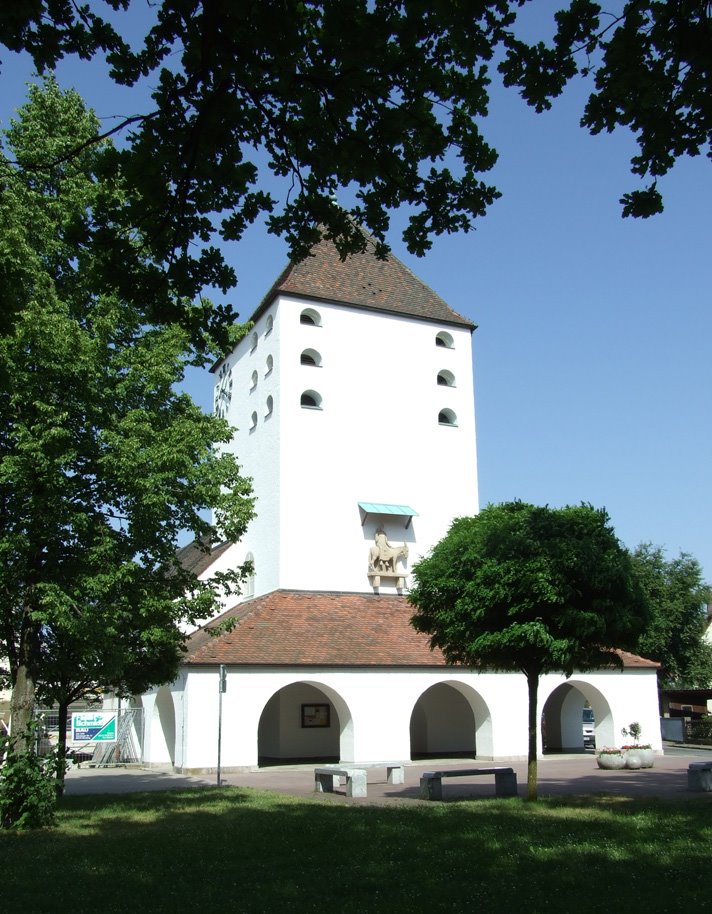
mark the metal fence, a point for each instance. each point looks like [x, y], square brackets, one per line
[127, 749]
[699, 731]
[685, 730]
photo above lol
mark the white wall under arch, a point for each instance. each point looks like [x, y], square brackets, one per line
[617, 698]
[160, 727]
[435, 720]
[563, 711]
[280, 731]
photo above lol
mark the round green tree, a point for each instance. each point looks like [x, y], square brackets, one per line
[530, 589]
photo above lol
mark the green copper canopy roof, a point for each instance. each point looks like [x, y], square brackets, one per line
[379, 507]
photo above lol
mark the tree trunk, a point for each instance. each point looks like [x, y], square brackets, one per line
[22, 704]
[22, 701]
[533, 688]
[62, 715]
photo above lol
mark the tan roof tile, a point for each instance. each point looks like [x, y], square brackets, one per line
[633, 660]
[295, 628]
[325, 629]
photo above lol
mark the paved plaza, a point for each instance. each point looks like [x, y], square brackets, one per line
[570, 775]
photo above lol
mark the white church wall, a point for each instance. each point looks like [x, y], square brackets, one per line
[254, 367]
[375, 438]
[373, 711]
[256, 392]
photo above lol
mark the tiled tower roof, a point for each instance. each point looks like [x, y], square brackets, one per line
[364, 281]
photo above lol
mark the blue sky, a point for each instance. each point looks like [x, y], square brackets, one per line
[593, 353]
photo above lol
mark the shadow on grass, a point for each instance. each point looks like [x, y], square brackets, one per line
[249, 851]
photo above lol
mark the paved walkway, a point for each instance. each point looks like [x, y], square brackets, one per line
[563, 775]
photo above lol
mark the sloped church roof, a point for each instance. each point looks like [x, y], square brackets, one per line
[305, 628]
[363, 281]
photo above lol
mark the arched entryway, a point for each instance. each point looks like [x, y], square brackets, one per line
[163, 728]
[305, 722]
[450, 720]
[562, 719]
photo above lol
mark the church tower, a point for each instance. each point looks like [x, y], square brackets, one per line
[353, 402]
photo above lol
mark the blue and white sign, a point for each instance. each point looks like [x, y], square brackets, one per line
[94, 726]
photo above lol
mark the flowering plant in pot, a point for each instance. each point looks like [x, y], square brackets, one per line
[610, 758]
[637, 755]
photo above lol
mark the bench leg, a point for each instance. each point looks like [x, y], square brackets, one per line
[505, 784]
[699, 779]
[431, 789]
[356, 784]
[396, 774]
[324, 783]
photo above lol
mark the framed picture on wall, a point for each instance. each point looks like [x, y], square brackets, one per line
[316, 715]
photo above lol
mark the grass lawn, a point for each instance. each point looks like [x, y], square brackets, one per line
[251, 852]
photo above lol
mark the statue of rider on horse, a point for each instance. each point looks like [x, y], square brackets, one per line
[382, 557]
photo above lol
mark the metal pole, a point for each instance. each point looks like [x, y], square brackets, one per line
[222, 684]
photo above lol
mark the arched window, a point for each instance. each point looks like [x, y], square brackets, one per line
[310, 317]
[253, 381]
[269, 407]
[445, 340]
[310, 357]
[248, 588]
[446, 379]
[447, 417]
[253, 342]
[310, 399]
[253, 422]
[269, 365]
[269, 325]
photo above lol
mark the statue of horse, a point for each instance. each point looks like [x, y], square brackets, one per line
[383, 558]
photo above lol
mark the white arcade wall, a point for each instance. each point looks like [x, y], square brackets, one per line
[378, 715]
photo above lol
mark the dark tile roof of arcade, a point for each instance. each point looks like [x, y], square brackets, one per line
[296, 628]
[364, 281]
[195, 558]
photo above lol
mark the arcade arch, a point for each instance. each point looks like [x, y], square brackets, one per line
[562, 714]
[163, 728]
[450, 719]
[305, 721]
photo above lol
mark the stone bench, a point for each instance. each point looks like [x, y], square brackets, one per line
[325, 779]
[431, 782]
[699, 776]
[395, 774]
[395, 771]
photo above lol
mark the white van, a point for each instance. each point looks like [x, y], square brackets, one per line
[589, 722]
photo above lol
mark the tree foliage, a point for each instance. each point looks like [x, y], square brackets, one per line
[380, 104]
[529, 589]
[652, 67]
[675, 637]
[375, 101]
[102, 462]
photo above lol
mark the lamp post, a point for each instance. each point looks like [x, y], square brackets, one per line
[222, 688]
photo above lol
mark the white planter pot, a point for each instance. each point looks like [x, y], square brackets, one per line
[633, 759]
[611, 761]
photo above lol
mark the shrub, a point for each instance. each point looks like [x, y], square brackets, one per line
[27, 785]
[700, 730]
